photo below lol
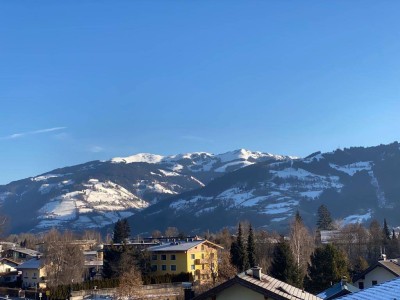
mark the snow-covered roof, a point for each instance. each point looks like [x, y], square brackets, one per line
[179, 246]
[33, 263]
[388, 290]
[338, 289]
[27, 251]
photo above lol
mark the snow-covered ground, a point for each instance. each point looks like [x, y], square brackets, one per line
[360, 218]
[109, 202]
[351, 169]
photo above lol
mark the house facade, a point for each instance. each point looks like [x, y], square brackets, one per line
[253, 284]
[33, 273]
[384, 270]
[7, 265]
[198, 257]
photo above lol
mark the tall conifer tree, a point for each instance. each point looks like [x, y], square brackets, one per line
[238, 251]
[324, 221]
[386, 231]
[283, 266]
[251, 248]
[328, 265]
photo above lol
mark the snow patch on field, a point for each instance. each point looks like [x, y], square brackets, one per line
[278, 219]
[108, 200]
[168, 173]
[352, 219]
[311, 194]
[379, 192]
[45, 177]
[239, 164]
[279, 208]
[351, 169]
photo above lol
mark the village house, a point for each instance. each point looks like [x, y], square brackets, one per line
[253, 284]
[198, 257]
[8, 270]
[383, 270]
[33, 273]
[21, 254]
[389, 290]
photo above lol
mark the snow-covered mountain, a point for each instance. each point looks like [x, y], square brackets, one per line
[200, 191]
[356, 184]
[96, 194]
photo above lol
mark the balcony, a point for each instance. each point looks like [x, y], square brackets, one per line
[199, 261]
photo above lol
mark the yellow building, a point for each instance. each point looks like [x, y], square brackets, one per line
[198, 257]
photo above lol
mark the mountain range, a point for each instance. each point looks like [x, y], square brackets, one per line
[202, 191]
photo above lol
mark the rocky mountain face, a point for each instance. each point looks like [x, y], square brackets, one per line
[200, 191]
[96, 194]
[356, 184]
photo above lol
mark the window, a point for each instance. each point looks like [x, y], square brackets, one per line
[192, 256]
[361, 285]
[374, 282]
[154, 268]
[154, 257]
[163, 257]
[173, 257]
[164, 267]
[192, 267]
[173, 267]
[202, 247]
[202, 256]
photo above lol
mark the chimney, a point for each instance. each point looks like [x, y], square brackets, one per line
[383, 257]
[344, 280]
[256, 272]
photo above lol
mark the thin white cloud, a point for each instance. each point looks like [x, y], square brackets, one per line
[27, 133]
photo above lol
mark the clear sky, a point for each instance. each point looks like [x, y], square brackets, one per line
[82, 80]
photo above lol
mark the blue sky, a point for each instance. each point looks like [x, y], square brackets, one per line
[85, 80]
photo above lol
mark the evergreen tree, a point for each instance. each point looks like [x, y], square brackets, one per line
[238, 252]
[251, 248]
[394, 237]
[298, 217]
[283, 266]
[386, 231]
[328, 265]
[122, 231]
[324, 221]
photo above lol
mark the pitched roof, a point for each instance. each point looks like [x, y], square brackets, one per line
[339, 289]
[7, 260]
[389, 265]
[179, 246]
[27, 251]
[33, 263]
[267, 286]
[388, 290]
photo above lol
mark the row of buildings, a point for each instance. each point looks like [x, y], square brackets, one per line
[167, 256]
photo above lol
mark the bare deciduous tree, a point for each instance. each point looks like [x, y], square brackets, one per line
[64, 261]
[301, 243]
[131, 284]
[171, 231]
